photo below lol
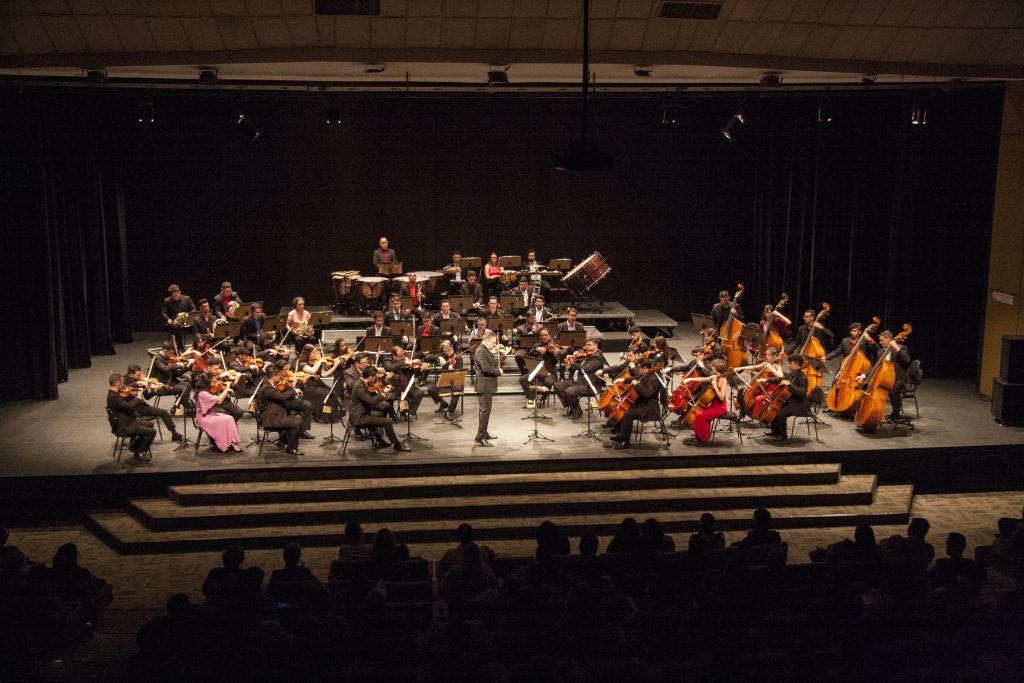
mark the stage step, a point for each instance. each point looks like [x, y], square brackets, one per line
[320, 490]
[162, 514]
[126, 534]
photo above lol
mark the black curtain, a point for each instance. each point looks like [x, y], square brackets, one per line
[64, 219]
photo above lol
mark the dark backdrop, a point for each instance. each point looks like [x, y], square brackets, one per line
[869, 213]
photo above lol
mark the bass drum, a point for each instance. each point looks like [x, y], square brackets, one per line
[587, 273]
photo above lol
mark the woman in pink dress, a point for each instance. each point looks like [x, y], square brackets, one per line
[220, 427]
[720, 386]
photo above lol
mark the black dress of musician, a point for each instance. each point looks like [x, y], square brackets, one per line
[314, 389]
[797, 383]
[646, 407]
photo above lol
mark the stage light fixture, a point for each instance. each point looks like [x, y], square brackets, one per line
[643, 70]
[919, 114]
[209, 75]
[824, 111]
[95, 74]
[731, 123]
[144, 112]
[375, 68]
[497, 75]
[771, 79]
[245, 124]
[671, 114]
[333, 115]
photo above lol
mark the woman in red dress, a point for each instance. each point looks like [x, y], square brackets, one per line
[718, 406]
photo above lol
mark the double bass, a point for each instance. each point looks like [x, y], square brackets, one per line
[772, 340]
[733, 341]
[812, 348]
[845, 395]
[877, 385]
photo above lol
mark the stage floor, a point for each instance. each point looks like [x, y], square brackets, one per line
[70, 436]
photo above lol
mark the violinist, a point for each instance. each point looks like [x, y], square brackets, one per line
[302, 332]
[278, 397]
[811, 327]
[204, 323]
[472, 289]
[315, 390]
[536, 281]
[252, 324]
[222, 430]
[569, 391]
[492, 276]
[405, 371]
[629, 359]
[772, 370]
[900, 358]
[201, 352]
[720, 311]
[395, 312]
[549, 352]
[413, 290]
[125, 404]
[845, 347]
[453, 273]
[148, 389]
[447, 313]
[527, 329]
[219, 380]
[222, 302]
[168, 367]
[378, 328]
[636, 340]
[250, 371]
[271, 352]
[367, 409]
[709, 335]
[718, 406]
[342, 353]
[449, 362]
[384, 253]
[797, 384]
[175, 304]
[540, 310]
[354, 372]
[646, 407]
[480, 328]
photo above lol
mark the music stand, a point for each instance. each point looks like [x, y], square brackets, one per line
[510, 261]
[406, 303]
[537, 371]
[452, 327]
[559, 264]
[428, 344]
[526, 341]
[403, 405]
[228, 329]
[552, 328]
[245, 309]
[471, 263]
[320, 318]
[274, 323]
[451, 380]
[390, 269]
[509, 301]
[401, 328]
[375, 344]
[574, 339]
[460, 302]
[589, 433]
[700, 321]
[501, 325]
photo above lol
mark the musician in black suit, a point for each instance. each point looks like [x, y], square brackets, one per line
[204, 323]
[571, 389]
[869, 347]
[540, 310]
[278, 413]
[395, 312]
[166, 371]
[453, 273]
[128, 421]
[549, 353]
[365, 411]
[570, 324]
[811, 326]
[447, 313]
[528, 328]
[797, 383]
[646, 407]
[720, 311]
[405, 376]
[378, 328]
[449, 362]
[384, 254]
[486, 385]
[522, 295]
[148, 391]
[173, 305]
[252, 324]
[900, 358]
[471, 288]
[222, 302]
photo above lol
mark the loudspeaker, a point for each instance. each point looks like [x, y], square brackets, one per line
[1011, 365]
[1008, 402]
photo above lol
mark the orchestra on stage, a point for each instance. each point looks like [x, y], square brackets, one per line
[434, 332]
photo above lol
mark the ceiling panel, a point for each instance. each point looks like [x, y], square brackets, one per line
[564, 9]
[202, 33]
[952, 13]
[388, 8]
[847, 42]
[762, 38]
[237, 33]
[352, 31]
[64, 32]
[603, 9]
[296, 7]
[387, 32]
[134, 33]
[897, 12]
[423, 32]
[627, 34]
[234, 8]
[168, 34]
[99, 33]
[159, 8]
[272, 32]
[875, 43]
[560, 34]
[87, 6]
[687, 29]
[600, 35]
[193, 8]
[635, 9]
[705, 36]
[866, 12]
[460, 8]
[303, 31]
[928, 47]
[423, 8]
[778, 10]
[8, 43]
[807, 11]
[820, 41]
[257, 8]
[955, 47]
[902, 46]
[1007, 14]
[325, 29]
[791, 38]
[837, 12]
[733, 36]
[130, 7]
[523, 8]
[747, 10]
[527, 33]
[661, 34]
[457, 33]
[50, 6]
[492, 33]
[30, 34]
[980, 13]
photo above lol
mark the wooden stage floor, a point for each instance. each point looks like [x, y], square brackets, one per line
[70, 436]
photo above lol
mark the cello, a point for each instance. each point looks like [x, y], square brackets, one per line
[680, 398]
[812, 348]
[772, 340]
[758, 388]
[845, 395]
[878, 384]
[731, 334]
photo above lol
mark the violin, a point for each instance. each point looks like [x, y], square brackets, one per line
[128, 392]
[575, 356]
[250, 360]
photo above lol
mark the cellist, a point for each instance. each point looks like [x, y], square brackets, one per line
[645, 407]
[718, 406]
[764, 372]
[796, 384]
[900, 361]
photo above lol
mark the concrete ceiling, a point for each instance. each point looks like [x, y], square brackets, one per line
[455, 40]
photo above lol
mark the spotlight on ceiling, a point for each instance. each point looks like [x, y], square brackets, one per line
[738, 117]
[375, 68]
[919, 114]
[498, 75]
[869, 79]
[771, 79]
[824, 110]
[245, 124]
[333, 115]
[209, 75]
[671, 114]
[95, 74]
[144, 112]
[643, 70]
